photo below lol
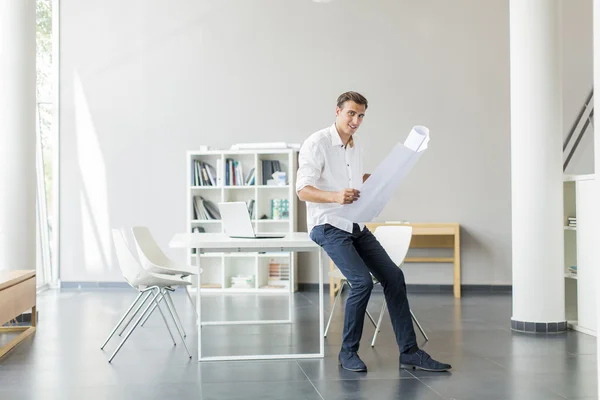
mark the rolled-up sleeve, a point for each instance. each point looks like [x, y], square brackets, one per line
[310, 165]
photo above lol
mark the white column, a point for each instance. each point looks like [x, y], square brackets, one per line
[17, 135]
[536, 161]
[597, 152]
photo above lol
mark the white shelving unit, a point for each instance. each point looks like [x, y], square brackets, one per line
[580, 201]
[219, 268]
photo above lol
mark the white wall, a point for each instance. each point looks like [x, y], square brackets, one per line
[578, 72]
[144, 81]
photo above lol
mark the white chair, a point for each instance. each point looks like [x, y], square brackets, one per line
[154, 260]
[395, 240]
[146, 283]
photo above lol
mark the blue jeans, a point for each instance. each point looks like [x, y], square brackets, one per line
[356, 255]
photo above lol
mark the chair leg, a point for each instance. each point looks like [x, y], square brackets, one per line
[137, 310]
[150, 313]
[137, 322]
[170, 304]
[419, 325]
[371, 318]
[166, 323]
[337, 296]
[378, 326]
[122, 319]
[172, 316]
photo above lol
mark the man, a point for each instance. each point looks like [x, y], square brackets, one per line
[329, 171]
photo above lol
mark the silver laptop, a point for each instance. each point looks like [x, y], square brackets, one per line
[237, 224]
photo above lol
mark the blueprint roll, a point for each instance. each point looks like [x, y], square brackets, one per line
[377, 191]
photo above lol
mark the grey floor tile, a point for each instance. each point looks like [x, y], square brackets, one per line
[405, 389]
[570, 384]
[491, 386]
[555, 364]
[379, 366]
[63, 359]
[260, 390]
[250, 371]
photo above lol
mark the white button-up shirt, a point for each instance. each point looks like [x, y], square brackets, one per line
[326, 164]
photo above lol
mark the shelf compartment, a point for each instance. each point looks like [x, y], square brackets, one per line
[212, 272]
[243, 265]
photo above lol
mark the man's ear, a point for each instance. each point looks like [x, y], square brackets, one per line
[337, 111]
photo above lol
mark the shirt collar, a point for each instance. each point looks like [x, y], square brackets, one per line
[336, 140]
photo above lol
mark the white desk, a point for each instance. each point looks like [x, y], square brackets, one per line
[220, 243]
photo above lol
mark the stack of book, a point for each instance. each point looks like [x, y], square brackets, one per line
[205, 209]
[280, 208]
[242, 282]
[268, 168]
[234, 174]
[203, 174]
[279, 273]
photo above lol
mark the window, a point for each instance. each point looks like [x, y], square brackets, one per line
[45, 153]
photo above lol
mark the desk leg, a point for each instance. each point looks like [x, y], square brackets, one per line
[291, 292]
[198, 304]
[457, 264]
[25, 332]
[321, 337]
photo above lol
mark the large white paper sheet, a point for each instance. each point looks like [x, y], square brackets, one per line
[376, 192]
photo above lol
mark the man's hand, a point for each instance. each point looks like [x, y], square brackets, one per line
[347, 196]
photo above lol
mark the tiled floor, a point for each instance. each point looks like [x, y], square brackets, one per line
[64, 361]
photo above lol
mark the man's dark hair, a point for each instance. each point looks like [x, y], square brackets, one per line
[353, 96]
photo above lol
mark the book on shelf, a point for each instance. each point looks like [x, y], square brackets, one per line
[205, 209]
[278, 271]
[203, 174]
[242, 282]
[234, 174]
[268, 168]
[280, 209]
[250, 203]
[211, 285]
[251, 178]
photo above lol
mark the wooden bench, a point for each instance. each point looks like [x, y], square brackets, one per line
[17, 295]
[424, 236]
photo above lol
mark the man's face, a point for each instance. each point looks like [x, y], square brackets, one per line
[349, 117]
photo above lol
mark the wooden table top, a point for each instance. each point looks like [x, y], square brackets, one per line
[422, 228]
[11, 278]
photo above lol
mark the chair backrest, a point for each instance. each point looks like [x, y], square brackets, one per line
[148, 249]
[395, 240]
[130, 267]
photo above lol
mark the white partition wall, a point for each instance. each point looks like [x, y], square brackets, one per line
[597, 145]
[17, 134]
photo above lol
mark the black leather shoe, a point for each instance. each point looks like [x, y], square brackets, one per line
[349, 360]
[422, 360]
